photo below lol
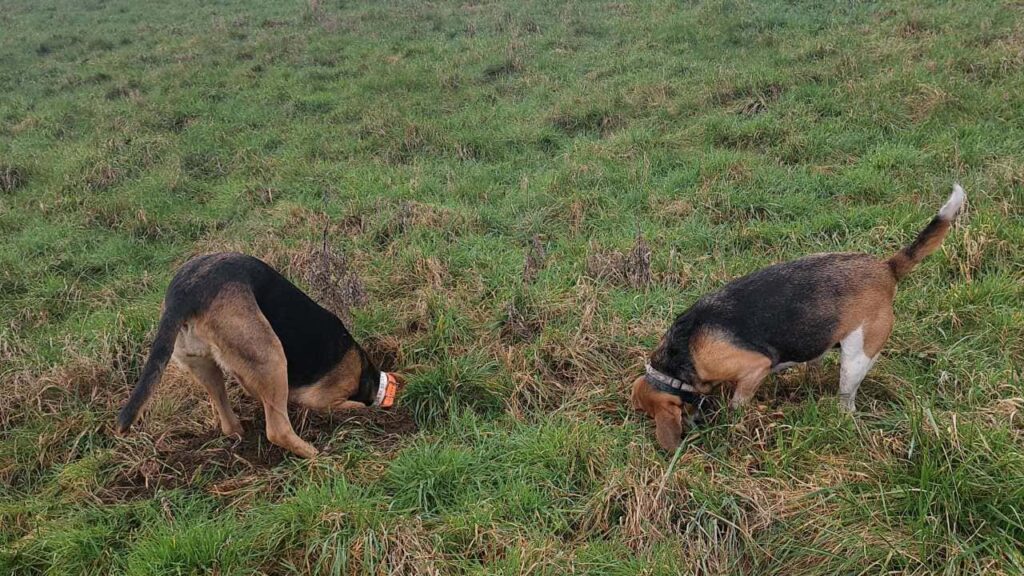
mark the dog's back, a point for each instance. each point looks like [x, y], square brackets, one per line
[794, 311]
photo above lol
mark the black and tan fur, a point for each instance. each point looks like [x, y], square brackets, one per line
[229, 313]
[788, 313]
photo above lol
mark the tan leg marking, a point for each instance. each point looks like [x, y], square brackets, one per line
[747, 385]
[864, 323]
[350, 405]
[249, 348]
[876, 332]
[718, 360]
[335, 388]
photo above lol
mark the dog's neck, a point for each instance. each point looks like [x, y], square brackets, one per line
[672, 365]
[369, 382]
[660, 379]
[670, 368]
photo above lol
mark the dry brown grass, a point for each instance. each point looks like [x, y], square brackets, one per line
[631, 269]
[12, 178]
[330, 277]
[534, 261]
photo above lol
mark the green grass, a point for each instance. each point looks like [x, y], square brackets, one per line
[486, 169]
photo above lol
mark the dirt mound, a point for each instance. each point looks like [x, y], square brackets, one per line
[208, 460]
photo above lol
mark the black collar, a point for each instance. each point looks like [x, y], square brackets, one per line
[664, 383]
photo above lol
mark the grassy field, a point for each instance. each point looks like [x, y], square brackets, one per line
[518, 198]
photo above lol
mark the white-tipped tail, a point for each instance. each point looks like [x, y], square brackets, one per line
[929, 239]
[953, 205]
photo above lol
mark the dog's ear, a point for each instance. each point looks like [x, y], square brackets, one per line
[668, 421]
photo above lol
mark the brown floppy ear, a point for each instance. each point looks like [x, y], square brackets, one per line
[637, 396]
[668, 421]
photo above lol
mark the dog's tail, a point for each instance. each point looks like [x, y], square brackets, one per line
[930, 238]
[159, 354]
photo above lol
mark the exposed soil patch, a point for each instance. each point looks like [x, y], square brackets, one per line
[377, 426]
[385, 351]
[182, 457]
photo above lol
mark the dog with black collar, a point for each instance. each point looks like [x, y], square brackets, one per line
[771, 319]
[232, 314]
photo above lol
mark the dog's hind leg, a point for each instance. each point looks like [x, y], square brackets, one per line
[206, 371]
[247, 345]
[854, 367]
[860, 350]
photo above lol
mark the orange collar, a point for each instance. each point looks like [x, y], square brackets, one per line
[386, 391]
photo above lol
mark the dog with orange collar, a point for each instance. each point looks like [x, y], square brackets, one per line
[232, 314]
[778, 316]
